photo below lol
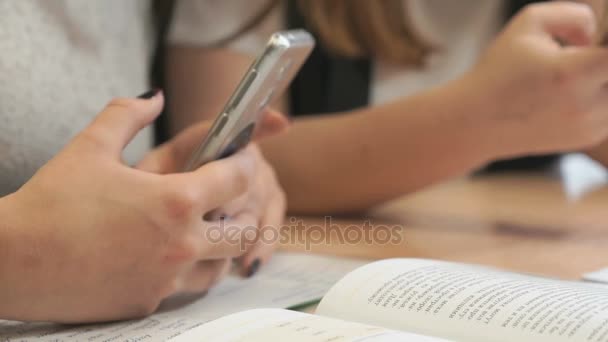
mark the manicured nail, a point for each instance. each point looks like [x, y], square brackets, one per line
[149, 94]
[253, 268]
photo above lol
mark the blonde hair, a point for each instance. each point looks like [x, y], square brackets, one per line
[381, 29]
[367, 28]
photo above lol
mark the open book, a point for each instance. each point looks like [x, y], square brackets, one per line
[425, 300]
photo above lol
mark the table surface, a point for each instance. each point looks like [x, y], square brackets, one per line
[550, 224]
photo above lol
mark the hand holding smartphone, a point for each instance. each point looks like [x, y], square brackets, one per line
[265, 80]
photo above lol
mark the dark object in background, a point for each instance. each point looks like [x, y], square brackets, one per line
[536, 163]
[327, 83]
[162, 11]
[514, 6]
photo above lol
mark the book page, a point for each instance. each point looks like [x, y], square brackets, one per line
[264, 325]
[599, 277]
[289, 279]
[469, 303]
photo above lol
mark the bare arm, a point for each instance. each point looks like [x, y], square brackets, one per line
[352, 161]
[341, 162]
[13, 265]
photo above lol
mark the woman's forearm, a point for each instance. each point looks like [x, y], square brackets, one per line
[348, 162]
[340, 163]
[27, 278]
[527, 94]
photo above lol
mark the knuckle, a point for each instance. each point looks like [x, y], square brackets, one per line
[564, 77]
[531, 12]
[236, 176]
[92, 138]
[184, 250]
[180, 204]
[213, 173]
[241, 180]
[534, 10]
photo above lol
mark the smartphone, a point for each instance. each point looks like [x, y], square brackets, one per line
[265, 80]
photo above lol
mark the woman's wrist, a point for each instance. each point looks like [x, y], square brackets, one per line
[10, 247]
[23, 263]
[467, 117]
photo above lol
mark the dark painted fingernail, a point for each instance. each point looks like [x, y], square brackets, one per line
[149, 94]
[253, 268]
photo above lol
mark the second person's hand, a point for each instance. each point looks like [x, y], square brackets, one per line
[541, 86]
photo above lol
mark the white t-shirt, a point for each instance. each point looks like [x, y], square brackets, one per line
[61, 61]
[462, 28]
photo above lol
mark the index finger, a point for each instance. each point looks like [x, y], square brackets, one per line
[219, 182]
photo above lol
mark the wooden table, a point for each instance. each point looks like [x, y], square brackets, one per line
[523, 222]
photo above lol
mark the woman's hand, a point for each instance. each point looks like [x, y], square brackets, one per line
[91, 239]
[264, 202]
[542, 84]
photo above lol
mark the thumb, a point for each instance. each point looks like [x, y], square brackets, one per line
[121, 120]
[567, 22]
